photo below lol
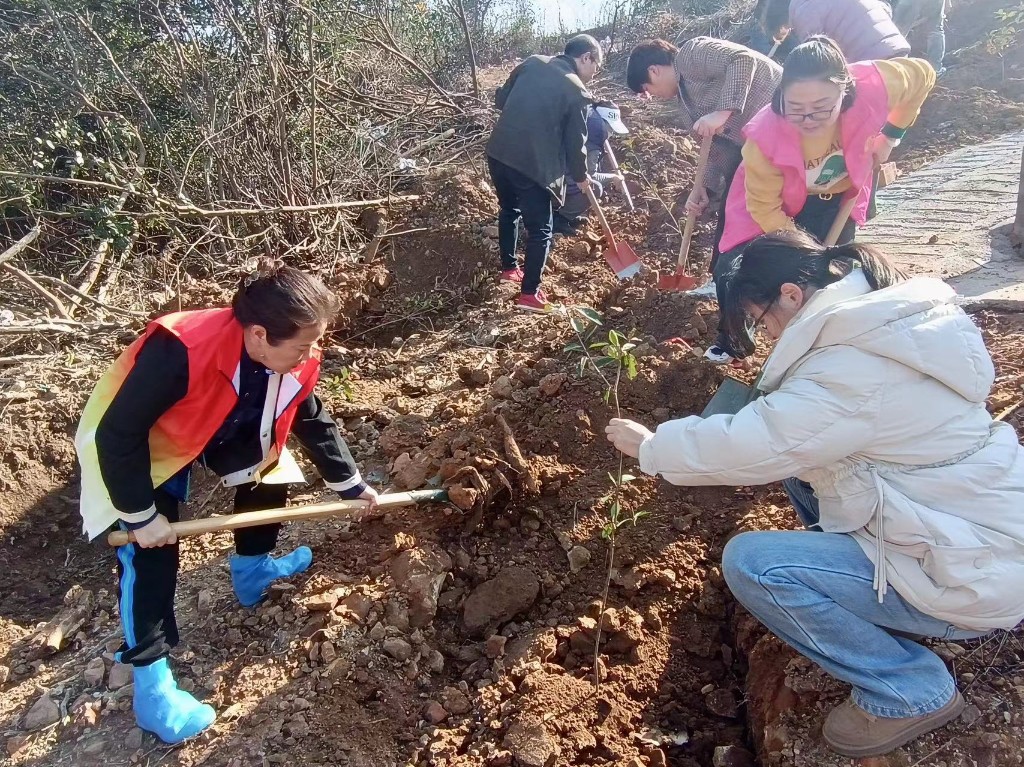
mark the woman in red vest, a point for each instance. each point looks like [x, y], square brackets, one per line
[829, 125]
[224, 387]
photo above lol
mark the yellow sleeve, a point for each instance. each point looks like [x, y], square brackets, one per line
[764, 191]
[908, 83]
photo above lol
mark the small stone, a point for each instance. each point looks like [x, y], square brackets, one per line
[579, 557]
[359, 604]
[500, 759]
[495, 646]
[378, 632]
[93, 746]
[732, 756]
[15, 743]
[321, 603]
[550, 384]
[531, 744]
[327, 652]
[971, 714]
[42, 714]
[491, 232]
[502, 387]
[512, 591]
[722, 703]
[463, 497]
[204, 601]
[133, 740]
[435, 713]
[455, 701]
[120, 676]
[398, 649]
[94, 672]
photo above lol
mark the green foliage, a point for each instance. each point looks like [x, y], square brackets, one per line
[340, 385]
[1004, 37]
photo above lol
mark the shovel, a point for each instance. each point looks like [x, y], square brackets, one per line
[732, 395]
[680, 280]
[621, 183]
[618, 254]
[295, 513]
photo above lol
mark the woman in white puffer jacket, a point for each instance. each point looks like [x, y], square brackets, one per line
[874, 415]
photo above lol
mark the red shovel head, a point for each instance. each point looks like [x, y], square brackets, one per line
[676, 281]
[622, 260]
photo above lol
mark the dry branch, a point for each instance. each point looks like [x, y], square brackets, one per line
[46, 295]
[20, 245]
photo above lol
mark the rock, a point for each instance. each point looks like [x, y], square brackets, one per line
[378, 632]
[398, 649]
[491, 232]
[15, 743]
[580, 249]
[463, 497]
[495, 647]
[732, 756]
[435, 662]
[435, 713]
[359, 604]
[321, 603]
[500, 759]
[395, 614]
[42, 714]
[971, 714]
[120, 676]
[204, 601]
[404, 434]
[94, 672]
[721, 703]
[500, 599]
[502, 388]
[419, 574]
[538, 646]
[455, 701]
[531, 745]
[579, 557]
[550, 384]
[133, 740]
[409, 473]
[474, 376]
[327, 652]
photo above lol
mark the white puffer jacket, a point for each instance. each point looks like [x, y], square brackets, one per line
[877, 399]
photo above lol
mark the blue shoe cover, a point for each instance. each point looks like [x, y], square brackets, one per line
[171, 714]
[252, 576]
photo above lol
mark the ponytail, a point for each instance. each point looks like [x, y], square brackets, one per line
[772, 260]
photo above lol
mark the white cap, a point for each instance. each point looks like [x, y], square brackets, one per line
[611, 115]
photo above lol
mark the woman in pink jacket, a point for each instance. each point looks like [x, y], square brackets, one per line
[818, 143]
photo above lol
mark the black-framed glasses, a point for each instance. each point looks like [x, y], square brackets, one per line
[758, 323]
[815, 117]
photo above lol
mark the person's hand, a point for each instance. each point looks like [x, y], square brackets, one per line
[880, 148]
[157, 533]
[584, 184]
[711, 123]
[627, 435]
[697, 202]
[370, 495]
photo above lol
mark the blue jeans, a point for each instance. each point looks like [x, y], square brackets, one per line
[924, 18]
[518, 197]
[813, 590]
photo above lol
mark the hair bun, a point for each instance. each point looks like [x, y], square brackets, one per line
[260, 268]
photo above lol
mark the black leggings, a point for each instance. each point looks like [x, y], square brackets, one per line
[146, 578]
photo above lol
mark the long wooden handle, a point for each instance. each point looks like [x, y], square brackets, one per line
[600, 217]
[845, 211]
[293, 514]
[691, 219]
[622, 181]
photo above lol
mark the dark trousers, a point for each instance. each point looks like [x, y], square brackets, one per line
[519, 197]
[147, 578]
[816, 217]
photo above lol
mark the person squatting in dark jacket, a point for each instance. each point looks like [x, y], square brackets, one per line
[224, 387]
[542, 129]
[602, 117]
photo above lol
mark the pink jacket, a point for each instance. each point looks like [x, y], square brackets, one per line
[864, 29]
[781, 145]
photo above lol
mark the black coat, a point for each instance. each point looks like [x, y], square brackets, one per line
[542, 130]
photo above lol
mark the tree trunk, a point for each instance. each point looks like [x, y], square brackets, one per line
[460, 11]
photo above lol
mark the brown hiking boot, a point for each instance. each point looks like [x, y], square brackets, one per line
[852, 731]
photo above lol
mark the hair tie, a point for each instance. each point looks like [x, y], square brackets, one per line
[260, 268]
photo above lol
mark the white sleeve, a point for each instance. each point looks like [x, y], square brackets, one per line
[813, 419]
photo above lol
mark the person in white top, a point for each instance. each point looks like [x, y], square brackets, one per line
[874, 417]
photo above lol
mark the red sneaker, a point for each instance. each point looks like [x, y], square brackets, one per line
[512, 275]
[533, 302]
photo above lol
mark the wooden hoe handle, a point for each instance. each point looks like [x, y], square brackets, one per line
[293, 514]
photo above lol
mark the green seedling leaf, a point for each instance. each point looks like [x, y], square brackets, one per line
[590, 314]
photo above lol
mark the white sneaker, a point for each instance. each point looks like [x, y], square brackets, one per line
[707, 290]
[718, 356]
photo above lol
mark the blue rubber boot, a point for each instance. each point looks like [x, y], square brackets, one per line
[252, 576]
[171, 714]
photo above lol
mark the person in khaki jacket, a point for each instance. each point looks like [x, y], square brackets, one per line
[719, 85]
[874, 419]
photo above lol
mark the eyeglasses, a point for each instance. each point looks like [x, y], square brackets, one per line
[816, 117]
[759, 322]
